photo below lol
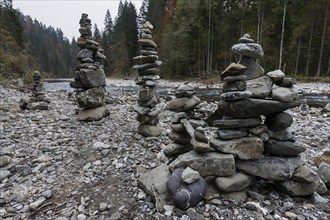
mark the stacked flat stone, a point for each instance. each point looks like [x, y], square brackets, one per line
[89, 76]
[147, 65]
[264, 148]
[38, 99]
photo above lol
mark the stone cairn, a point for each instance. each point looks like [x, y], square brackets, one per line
[89, 76]
[253, 139]
[147, 65]
[38, 100]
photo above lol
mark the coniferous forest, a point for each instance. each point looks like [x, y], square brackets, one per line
[194, 38]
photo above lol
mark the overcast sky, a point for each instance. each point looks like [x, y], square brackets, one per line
[65, 14]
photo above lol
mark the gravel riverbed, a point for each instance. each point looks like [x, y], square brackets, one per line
[60, 168]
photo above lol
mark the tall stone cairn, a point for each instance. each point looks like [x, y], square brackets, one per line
[147, 65]
[89, 76]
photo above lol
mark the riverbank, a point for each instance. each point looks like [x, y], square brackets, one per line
[64, 169]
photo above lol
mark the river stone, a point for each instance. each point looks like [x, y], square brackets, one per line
[4, 160]
[284, 94]
[149, 130]
[231, 134]
[37, 106]
[294, 188]
[276, 75]
[236, 123]
[234, 69]
[238, 85]
[178, 127]
[324, 173]
[235, 183]
[185, 90]
[4, 174]
[151, 103]
[252, 50]
[251, 108]
[185, 195]
[175, 149]
[282, 135]
[278, 121]
[236, 95]
[93, 114]
[146, 93]
[199, 136]
[91, 98]
[285, 148]
[254, 70]
[145, 59]
[246, 148]
[206, 164]
[146, 119]
[148, 52]
[150, 71]
[271, 168]
[85, 53]
[201, 147]
[229, 79]
[259, 129]
[260, 87]
[286, 82]
[180, 138]
[147, 43]
[148, 25]
[91, 78]
[183, 104]
[189, 175]
[246, 39]
[154, 184]
[176, 117]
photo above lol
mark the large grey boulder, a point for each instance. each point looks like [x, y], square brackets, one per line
[246, 148]
[234, 69]
[93, 114]
[183, 104]
[149, 130]
[279, 121]
[324, 173]
[207, 164]
[92, 78]
[271, 168]
[237, 123]
[254, 70]
[252, 50]
[251, 108]
[284, 94]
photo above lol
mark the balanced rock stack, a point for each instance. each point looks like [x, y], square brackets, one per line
[38, 100]
[187, 124]
[89, 76]
[147, 65]
[264, 148]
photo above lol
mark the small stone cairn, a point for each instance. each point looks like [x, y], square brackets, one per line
[147, 65]
[89, 77]
[38, 100]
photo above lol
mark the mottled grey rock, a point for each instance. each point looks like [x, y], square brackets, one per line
[183, 104]
[253, 70]
[234, 69]
[91, 98]
[278, 121]
[276, 75]
[251, 108]
[295, 188]
[145, 59]
[207, 164]
[185, 90]
[236, 95]
[4, 174]
[85, 53]
[149, 130]
[180, 138]
[91, 78]
[234, 183]
[231, 134]
[252, 50]
[37, 106]
[316, 198]
[259, 129]
[260, 87]
[324, 173]
[201, 147]
[146, 93]
[284, 94]
[93, 114]
[286, 82]
[282, 135]
[246, 148]
[236, 123]
[175, 149]
[149, 71]
[4, 160]
[246, 39]
[234, 86]
[229, 79]
[285, 148]
[189, 175]
[271, 168]
[147, 43]
[34, 205]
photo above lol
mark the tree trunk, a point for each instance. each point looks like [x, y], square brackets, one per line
[298, 54]
[282, 36]
[322, 41]
[208, 40]
[309, 46]
[328, 71]
[259, 23]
